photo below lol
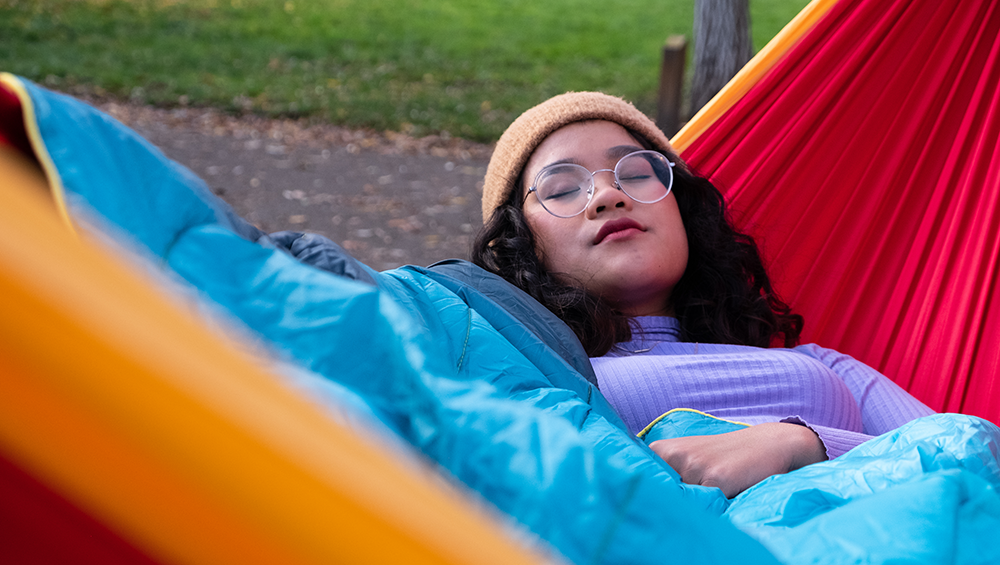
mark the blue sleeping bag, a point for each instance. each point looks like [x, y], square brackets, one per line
[480, 379]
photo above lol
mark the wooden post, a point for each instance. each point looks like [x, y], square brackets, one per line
[722, 45]
[668, 107]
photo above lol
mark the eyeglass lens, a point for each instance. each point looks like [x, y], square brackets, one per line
[564, 190]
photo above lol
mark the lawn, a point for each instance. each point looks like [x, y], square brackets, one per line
[467, 67]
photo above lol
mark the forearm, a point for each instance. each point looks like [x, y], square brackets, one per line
[735, 461]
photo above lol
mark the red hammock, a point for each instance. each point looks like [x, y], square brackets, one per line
[866, 164]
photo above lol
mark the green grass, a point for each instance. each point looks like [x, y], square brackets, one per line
[467, 67]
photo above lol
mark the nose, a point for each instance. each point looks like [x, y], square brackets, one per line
[606, 195]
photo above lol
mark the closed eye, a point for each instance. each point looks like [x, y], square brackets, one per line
[567, 192]
[636, 178]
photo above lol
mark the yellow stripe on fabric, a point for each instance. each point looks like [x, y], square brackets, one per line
[642, 434]
[751, 74]
[41, 152]
[118, 400]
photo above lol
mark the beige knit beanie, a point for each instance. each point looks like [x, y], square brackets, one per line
[522, 137]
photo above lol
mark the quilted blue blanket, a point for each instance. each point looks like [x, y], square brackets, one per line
[454, 364]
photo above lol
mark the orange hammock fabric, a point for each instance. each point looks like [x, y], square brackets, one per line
[866, 163]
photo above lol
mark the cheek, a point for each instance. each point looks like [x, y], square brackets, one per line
[553, 241]
[674, 221]
[674, 243]
[540, 233]
[680, 236]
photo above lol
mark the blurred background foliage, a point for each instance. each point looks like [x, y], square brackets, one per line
[454, 67]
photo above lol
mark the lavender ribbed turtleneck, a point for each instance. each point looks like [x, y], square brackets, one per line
[843, 400]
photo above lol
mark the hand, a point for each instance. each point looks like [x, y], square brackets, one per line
[736, 461]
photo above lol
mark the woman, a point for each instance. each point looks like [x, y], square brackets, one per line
[589, 210]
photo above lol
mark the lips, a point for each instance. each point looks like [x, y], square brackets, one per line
[615, 226]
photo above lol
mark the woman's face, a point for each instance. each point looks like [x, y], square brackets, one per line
[629, 254]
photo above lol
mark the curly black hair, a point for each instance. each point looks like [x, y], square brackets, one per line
[724, 296]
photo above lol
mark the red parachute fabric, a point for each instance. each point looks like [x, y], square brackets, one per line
[866, 164]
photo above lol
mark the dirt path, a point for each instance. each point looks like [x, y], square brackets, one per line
[390, 199]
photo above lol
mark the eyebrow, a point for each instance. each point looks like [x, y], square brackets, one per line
[618, 151]
[612, 154]
[568, 160]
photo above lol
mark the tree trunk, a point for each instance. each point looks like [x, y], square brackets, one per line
[722, 45]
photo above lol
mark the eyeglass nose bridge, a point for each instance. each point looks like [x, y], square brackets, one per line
[593, 177]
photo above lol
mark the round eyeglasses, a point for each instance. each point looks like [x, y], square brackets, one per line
[566, 189]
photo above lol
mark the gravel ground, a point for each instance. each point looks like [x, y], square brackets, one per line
[388, 198]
